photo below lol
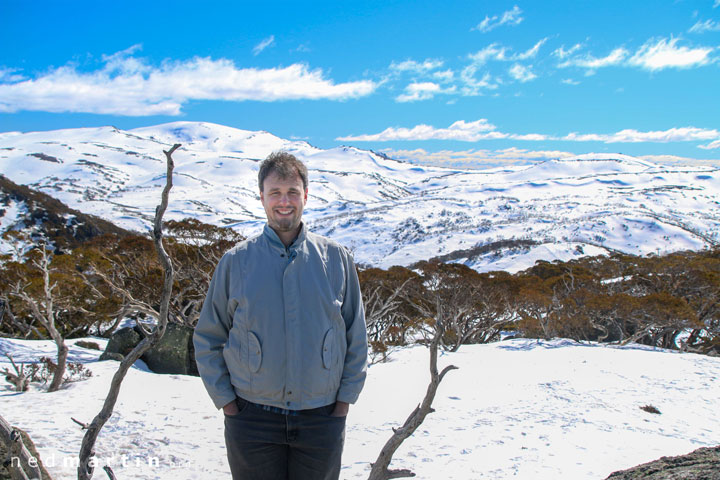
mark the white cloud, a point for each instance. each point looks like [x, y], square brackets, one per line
[562, 54]
[531, 53]
[473, 86]
[416, 67]
[521, 153]
[444, 76]
[130, 86]
[653, 55]
[267, 42]
[484, 130]
[616, 57]
[570, 81]
[522, 73]
[706, 26]
[683, 134]
[473, 158]
[711, 146]
[10, 75]
[510, 17]
[460, 130]
[716, 4]
[660, 54]
[422, 91]
[499, 53]
[491, 52]
[495, 52]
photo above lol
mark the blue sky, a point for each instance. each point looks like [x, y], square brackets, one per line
[465, 82]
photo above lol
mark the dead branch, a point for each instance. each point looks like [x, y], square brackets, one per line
[130, 303]
[380, 469]
[83, 425]
[109, 471]
[20, 462]
[7, 316]
[18, 379]
[87, 449]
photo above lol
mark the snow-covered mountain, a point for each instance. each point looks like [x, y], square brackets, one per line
[388, 212]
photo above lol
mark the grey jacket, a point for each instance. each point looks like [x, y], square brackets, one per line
[283, 327]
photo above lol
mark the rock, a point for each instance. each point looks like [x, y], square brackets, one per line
[121, 342]
[112, 356]
[174, 353]
[88, 345]
[702, 464]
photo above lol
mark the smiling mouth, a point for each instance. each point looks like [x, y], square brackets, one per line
[288, 211]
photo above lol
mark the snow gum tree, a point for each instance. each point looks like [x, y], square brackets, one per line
[49, 298]
[389, 317]
[86, 464]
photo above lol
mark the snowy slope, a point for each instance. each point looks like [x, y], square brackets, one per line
[519, 409]
[388, 212]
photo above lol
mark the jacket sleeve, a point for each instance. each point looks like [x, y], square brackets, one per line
[353, 312]
[211, 334]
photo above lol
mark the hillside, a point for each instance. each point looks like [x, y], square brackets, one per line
[388, 212]
[44, 218]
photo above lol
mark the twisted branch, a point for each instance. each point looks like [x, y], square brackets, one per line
[87, 452]
[380, 470]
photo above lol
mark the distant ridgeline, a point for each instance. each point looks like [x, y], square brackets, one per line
[388, 212]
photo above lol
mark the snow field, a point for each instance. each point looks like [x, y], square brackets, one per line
[514, 409]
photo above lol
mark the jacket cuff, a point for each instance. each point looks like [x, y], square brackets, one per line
[221, 400]
[347, 396]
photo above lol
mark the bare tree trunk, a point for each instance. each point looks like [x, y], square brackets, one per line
[87, 450]
[380, 469]
[22, 465]
[47, 319]
[62, 355]
[62, 349]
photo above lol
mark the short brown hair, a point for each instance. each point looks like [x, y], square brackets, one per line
[285, 165]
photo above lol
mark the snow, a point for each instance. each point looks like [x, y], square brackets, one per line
[521, 409]
[598, 202]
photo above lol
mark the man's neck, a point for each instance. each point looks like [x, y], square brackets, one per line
[287, 238]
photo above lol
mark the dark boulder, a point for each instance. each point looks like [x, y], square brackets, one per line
[702, 464]
[174, 353]
[121, 343]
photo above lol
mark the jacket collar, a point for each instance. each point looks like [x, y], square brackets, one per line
[277, 244]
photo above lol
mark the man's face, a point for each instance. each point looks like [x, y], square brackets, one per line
[284, 200]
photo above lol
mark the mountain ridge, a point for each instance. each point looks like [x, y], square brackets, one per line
[386, 211]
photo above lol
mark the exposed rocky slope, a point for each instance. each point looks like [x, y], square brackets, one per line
[702, 464]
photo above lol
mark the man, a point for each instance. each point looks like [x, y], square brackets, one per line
[281, 344]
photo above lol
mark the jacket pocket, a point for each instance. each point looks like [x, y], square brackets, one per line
[254, 353]
[327, 349]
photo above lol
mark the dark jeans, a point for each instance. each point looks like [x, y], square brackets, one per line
[264, 445]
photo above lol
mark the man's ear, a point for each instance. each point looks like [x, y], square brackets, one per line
[262, 198]
[305, 196]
